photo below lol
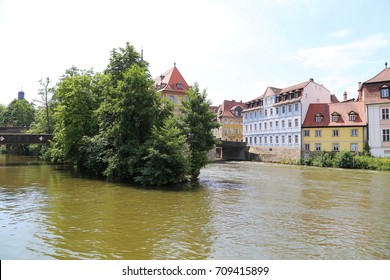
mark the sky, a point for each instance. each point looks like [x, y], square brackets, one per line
[232, 48]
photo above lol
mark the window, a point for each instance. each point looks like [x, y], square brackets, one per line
[231, 131]
[318, 146]
[259, 126]
[226, 131]
[354, 132]
[283, 139]
[172, 98]
[335, 117]
[289, 108]
[296, 139]
[237, 131]
[255, 127]
[259, 139]
[270, 139]
[296, 107]
[289, 139]
[265, 126]
[385, 114]
[270, 125]
[306, 133]
[296, 122]
[271, 112]
[352, 116]
[265, 113]
[354, 147]
[246, 129]
[250, 128]
[318, 133]
[289, 123]
[307, 147]
[226, 121]
[276, 124]
[231, 121]
[277, 110]
[265, 139]
[318, 118]
[277, 139]
[386, 135]
[283, 109]
[282, 124]
[335, 132]
[335, 147]
[385, 92]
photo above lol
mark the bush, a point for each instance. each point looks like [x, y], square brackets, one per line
[343, 159]
[322, 159]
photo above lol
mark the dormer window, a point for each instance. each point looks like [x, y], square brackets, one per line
[318, 118]
[179, 85]
[335, 117]
[385, 92]
[352, 116]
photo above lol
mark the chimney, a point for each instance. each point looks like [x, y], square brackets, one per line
[311, 80]
[345, 96]
[359, 85]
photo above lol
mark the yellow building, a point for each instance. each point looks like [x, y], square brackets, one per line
[230, 119]
[334, 127]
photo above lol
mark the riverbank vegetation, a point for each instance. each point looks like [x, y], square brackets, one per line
[117, 125]
[345, 159]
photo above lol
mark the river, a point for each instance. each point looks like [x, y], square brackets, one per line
[237, 210]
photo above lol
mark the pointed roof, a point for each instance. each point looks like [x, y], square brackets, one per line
[383, 76]
[171, 80]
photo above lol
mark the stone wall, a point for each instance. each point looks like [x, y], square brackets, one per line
[274, 154]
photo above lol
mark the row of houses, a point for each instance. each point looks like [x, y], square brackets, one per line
[299, 120]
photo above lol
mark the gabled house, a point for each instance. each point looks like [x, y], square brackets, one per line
[172, 86]
[333, 127]
[375, 93]
[229, 116]
[272, 122]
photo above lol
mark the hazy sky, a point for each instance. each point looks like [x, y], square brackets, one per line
[233, 48]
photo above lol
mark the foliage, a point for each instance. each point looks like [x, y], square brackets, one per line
[165, 160]
[198, 122]
[74, 115]
[19, 113]
[46, 92]
[322, 159]
[3, 108]
[343, 159]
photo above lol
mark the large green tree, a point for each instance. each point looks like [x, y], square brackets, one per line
[19, 113]
[198, 122]
[75, 101]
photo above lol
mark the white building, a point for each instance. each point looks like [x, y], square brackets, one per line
[376, 96]
[274, 120]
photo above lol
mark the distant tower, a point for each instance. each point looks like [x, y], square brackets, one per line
[21, 95]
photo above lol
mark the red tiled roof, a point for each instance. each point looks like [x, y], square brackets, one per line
[228, 107]
[342, 108]
[382, 76]
[171, 80]
[295, 87]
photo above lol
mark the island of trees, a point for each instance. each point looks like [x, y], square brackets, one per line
[115, 124]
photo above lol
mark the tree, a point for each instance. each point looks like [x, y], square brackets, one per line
[74, 113]
[165, 161]
[3, 108]
[197, 122]
[45, 92]
[19, 113]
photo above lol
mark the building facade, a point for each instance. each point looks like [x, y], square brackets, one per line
[334, 127]
[376, 96]
[172, 86]
[272, 122]
[229, 117]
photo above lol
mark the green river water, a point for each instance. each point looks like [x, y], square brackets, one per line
[237, 210]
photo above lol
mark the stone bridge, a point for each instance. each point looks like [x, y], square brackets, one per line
[230, 150]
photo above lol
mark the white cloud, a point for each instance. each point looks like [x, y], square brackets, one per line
[342, 33]
[341, 56]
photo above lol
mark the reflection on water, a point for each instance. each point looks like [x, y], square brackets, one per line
[237, 210]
